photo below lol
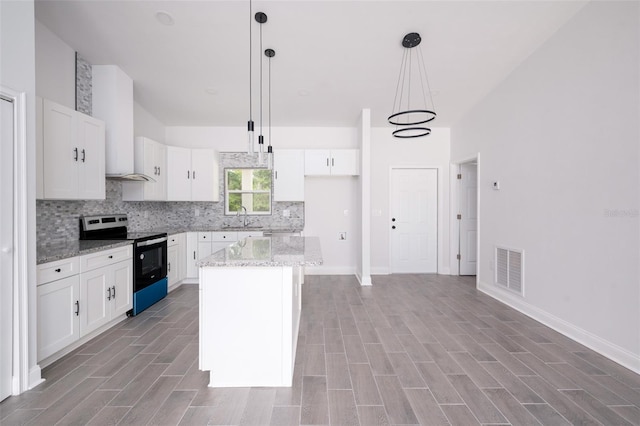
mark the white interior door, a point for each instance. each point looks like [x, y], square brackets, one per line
[469, 218]
[414, 221]
[6, 244]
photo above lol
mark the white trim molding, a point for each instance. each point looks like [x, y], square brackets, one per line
[25, 376]
[610, 350]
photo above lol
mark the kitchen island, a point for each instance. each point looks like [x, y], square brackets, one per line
[250, 304]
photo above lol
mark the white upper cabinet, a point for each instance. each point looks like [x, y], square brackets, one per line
[150, 159]
[288, 175]
[334, 162]
[192, 174]
[72, 154]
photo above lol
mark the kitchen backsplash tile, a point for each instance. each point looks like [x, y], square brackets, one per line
[58, 221]
[84, 81]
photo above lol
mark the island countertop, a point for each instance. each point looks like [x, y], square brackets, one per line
[268, 251]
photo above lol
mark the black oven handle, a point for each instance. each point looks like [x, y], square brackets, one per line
[151, 242]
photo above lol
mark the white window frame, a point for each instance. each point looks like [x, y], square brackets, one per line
[246, 192]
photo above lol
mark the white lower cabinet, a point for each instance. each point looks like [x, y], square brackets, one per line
[176, 258]
[203, 244]
[107, 293]
[77, 296]
[58, 320]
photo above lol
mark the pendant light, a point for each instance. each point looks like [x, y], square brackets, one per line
[407, 117]
[250, 124]
[261, 18]
[269, 53]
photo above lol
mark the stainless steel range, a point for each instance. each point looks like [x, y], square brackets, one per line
[149, 256]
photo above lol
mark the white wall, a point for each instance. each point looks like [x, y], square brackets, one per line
[145, 124]
[18, 72]
[326, 198]
[561, 135]
[55, 68]
[386, 152]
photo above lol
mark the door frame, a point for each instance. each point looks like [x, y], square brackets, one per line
[21, 375]
[440, 268]
[455, 208]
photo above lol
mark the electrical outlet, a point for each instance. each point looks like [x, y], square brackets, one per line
[342, 236]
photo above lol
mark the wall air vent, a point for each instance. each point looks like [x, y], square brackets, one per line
[509, 269]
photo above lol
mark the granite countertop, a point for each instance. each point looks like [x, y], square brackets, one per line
[268, 251]
[66, 249]
[266, 230]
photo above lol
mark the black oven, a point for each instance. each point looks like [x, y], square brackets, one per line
[149, 262]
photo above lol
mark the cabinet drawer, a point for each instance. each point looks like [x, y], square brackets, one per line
[174, 240]
[106, 257]
[246, 234]
[53, 271]
[204, 236]
[224, 236]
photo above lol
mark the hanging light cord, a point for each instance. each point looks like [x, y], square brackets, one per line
[260, 79]
[269, 101]
[250, 65]
[423, 69]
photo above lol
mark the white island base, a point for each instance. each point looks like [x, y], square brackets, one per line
[249, 320]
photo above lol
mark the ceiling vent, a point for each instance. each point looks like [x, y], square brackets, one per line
[509, 269]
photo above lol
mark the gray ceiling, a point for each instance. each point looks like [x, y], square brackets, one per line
[333, 58]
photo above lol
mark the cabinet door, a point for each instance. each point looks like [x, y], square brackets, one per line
[288, 175]
[345, 162]
[316, 162]
[173, 266]
[160, 155]
[121, 288]
[91, 161]
[60, 152]
[204, 250]
[94, 306]
[178, 174]
[192, 254]
[58, 324]
[204, 175]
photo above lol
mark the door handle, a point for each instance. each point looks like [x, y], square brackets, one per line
[109, 293]
[114, 291]
[188, 174]
[75, 154]
[193, 174]
[393, 219]
[169, 266]
[393, 227]
[83, 155]
[77, 308]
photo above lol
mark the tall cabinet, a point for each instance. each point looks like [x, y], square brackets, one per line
[71, 151]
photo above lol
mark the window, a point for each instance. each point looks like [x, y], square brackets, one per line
[249, 188]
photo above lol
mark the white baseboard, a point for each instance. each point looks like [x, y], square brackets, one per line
[364, 281]
[35, 376]
[610, 350]
[326, 270]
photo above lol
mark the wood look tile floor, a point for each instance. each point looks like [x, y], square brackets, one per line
[411, 349]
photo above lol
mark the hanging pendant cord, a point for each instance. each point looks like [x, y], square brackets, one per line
[260, 79]
[269, 100]
[250, 65]
[426, 79]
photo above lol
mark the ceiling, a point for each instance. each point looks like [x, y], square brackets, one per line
[333, 58]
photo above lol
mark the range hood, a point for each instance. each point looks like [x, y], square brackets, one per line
[112, 98]
[131, 177]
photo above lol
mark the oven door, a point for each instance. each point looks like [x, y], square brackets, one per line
[150, 262]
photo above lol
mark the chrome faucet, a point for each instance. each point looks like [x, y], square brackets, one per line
[244, 222]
